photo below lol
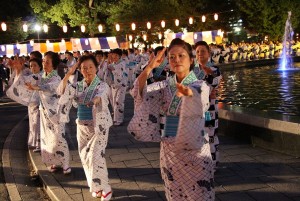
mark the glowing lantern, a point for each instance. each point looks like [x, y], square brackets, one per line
[65, 28]
[45, 27]
[82, 28]
[117, 27]
[191, 20]
[216, 16]
[177, 22]
[145, 37]
[133, 26]
[163, 24]
[130, 37]
[148, 25]
[3, 26]
[203, 18]
[25, 27]
[100, 28]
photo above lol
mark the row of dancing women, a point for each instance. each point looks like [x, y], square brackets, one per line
[178, 109]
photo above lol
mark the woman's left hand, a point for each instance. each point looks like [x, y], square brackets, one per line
[183, 90]
[32, 87]
[96, 101]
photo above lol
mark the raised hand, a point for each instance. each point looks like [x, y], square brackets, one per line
[157, 60]
[17, 65]
[73, 69]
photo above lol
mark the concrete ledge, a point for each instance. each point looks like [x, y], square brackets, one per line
[53, 188]
[268, 130]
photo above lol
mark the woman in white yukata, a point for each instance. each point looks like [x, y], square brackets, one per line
[212, 75]
[19, 93]
[118, 69]
[35, 65]
[93, 123]
[172, 111]
[54, 147]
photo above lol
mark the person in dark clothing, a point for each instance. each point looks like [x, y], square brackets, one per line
[3, 78]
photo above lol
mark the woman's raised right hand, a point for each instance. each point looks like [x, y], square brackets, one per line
[154, 62]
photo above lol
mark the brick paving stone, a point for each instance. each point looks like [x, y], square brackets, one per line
[268, 193]
[136, 163]
[235, 196]
[243, 185]
[126, 157]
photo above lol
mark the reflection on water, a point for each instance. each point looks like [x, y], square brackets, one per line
[263, 88]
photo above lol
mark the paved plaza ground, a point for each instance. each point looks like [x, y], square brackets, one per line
[245, 173]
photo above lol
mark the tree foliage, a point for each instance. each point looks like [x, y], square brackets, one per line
[268, 17]
[264, 17]
[141, 11]
[73, 12]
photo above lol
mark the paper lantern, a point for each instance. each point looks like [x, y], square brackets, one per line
[100, 28]
[3, 26]
[148, 25]
[45, 27]
[65, 28]
[25, 27]
[163, 24]
[133, 26]
[216, 16]
[82, 27]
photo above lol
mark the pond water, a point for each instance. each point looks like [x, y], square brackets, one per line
[263, 88]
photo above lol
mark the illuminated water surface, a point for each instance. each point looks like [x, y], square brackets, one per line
[263, 88]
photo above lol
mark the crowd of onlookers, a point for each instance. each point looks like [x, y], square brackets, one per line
[225, 53]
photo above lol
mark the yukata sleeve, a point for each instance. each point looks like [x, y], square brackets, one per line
[65, 101]
[103, 92]
[145, 123]
[51, 86]
[101, 114]
[190, 134]
[120, 76]
[215, 78]
[19, 92]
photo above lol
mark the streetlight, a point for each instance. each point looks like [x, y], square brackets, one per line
[37, 28]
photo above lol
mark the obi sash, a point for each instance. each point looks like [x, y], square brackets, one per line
[131, 64]
[171, 126]
[84, 112]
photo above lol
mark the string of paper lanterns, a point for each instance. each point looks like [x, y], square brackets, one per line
[117, 25]
[163, 22]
